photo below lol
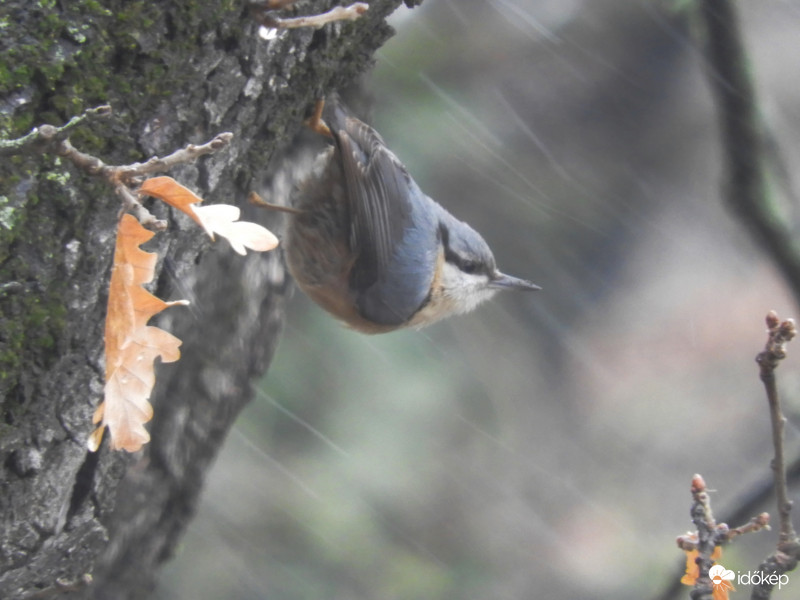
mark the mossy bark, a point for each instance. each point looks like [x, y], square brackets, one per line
[175, 73]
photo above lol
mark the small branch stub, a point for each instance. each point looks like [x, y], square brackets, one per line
[263, 13]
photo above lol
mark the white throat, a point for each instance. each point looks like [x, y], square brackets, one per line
[456, 293]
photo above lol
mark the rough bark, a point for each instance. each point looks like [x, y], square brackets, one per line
[174, 73]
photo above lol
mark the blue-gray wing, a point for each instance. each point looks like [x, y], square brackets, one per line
[393, 236]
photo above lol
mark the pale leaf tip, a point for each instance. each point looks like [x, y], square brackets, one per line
[96, 437]
[98, 413]
[267, 33]
[238, 248]
[178, 303]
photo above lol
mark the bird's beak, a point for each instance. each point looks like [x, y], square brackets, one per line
[501, 281]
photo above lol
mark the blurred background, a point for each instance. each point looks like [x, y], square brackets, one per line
[544, 445]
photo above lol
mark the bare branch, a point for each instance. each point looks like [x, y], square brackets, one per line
[779, 334]
[132, 205]
[46, 135]
[703, 520]
[85, 162]
[51, 139]
[757, 523]
[703, 545]
[263, 13]
[185, 155]
[749, 153]
[787, 553]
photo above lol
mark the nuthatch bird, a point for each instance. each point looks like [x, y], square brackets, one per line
[367, 245]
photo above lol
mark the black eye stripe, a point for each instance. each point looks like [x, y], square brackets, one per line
[470, 265]
[464, 264]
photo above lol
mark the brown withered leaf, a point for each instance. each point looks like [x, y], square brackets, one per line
[222, 219]
[131, 345]
[173, 193]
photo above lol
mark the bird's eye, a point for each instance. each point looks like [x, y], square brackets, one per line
[470, 266]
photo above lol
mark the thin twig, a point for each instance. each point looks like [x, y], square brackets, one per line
[263, 13]
[724, 535]
[706, 540]
[745, 505]
[46, 135]
[131, 204]
[780, 333]
[748, 149]
[703, 520]
[85, 162]
[787, 553]
[51, 139]
[185, 155]
[757, 523]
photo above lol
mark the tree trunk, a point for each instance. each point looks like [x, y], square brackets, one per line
[174, 73]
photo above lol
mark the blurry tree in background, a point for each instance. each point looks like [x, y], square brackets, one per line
[543, 446]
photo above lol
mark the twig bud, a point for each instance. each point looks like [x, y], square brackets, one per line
[698, 484]
[772, 320]
[788, 329]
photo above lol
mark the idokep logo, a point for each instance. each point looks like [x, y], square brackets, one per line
[722, 578]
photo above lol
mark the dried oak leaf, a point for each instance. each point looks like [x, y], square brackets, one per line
[720, 586]
[222, 219]
[131, 346]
